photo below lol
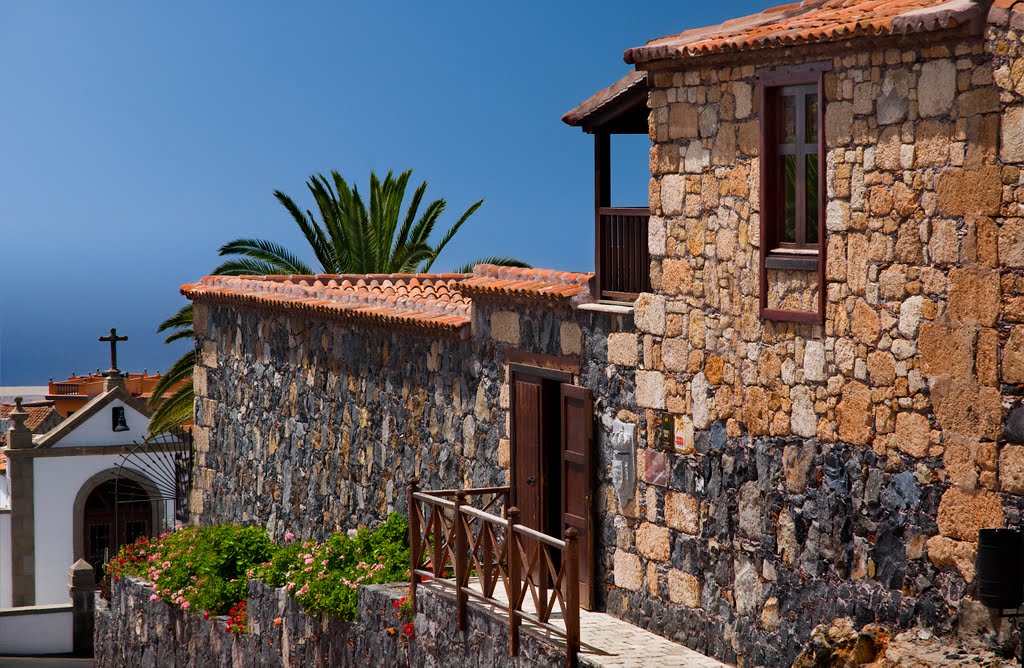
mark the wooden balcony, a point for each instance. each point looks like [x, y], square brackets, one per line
[622, 261]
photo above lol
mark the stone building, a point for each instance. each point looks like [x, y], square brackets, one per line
[816, 330]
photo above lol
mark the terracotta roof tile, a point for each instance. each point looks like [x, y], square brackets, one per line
[430, 300]
[36, 416]
[490, 280]
[814, 21]
[433, 301]
[1007, 12]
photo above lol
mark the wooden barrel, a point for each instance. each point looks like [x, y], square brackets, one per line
[999, 569]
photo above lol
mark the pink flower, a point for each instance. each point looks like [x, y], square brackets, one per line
[153, 597]
[184, 606]
[289, 536]
[309, 560]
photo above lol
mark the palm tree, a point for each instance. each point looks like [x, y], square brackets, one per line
[176, 410]
[349, 238]
[353, 238]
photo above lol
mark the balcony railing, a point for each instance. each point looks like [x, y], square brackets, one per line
[452, 535]
[623, 263]
[70, 389]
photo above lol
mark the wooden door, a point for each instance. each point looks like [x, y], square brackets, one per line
[115, 513]
[527, 455]
[577, 414]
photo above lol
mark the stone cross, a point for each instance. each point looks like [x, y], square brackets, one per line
[113, 339]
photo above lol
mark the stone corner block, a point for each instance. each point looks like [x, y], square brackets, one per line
[649, 314]
[505, 327]
[628, 572]
[684, 589]
[622, 349]
[650, 389]
[570, 338]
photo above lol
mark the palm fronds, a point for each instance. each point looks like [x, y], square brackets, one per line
[175, 411]
[173, 395]
[500, 261]
[346, 234]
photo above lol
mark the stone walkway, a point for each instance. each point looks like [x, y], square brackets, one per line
[609, 642]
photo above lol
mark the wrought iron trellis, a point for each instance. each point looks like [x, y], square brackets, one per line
[165, 461]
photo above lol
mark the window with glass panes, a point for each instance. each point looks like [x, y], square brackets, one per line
[794, 165]
[792, 186]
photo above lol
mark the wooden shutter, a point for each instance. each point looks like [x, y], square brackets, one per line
[578, 480]
[527, 456]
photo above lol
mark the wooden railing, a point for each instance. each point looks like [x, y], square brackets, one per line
[453, 536]
[623, 263]
[68, 388]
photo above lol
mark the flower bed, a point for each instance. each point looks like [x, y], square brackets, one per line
[208, 568]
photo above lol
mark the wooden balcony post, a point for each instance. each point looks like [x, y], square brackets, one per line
[602, 198]
[437, 548]
[461, 561]
[514, 580]
[487, 569]
[414, 540]
[572, 598]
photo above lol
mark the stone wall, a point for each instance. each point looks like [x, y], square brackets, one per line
[840, 469]
[316, 426]
[132, 630]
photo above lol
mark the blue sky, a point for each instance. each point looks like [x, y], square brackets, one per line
[139, 137]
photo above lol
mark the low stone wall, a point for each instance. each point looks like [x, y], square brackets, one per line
[132, 630]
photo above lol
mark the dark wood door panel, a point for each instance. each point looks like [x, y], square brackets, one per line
[577, 416]
[529, 475]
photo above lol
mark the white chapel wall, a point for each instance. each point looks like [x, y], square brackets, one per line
[57, 483]
[97, 429]
[6, 599]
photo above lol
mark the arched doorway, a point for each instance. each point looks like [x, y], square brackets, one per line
[116, 512]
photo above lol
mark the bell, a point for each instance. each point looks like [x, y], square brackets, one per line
[117, 419]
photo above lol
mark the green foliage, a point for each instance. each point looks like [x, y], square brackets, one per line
[325, 577]
[349, 235]
[173, 396]
[208, 568]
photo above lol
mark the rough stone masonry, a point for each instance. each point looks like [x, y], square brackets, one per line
[831, 470]
[841, 469]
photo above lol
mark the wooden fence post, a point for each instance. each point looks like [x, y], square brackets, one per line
[437, 549]
[414, 541]
[514, 581]
[572, 598]
[461, 561]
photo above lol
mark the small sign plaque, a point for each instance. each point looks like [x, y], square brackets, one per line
[667, 432]
[683, 429]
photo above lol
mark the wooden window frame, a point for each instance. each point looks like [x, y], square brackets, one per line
[789, 256]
